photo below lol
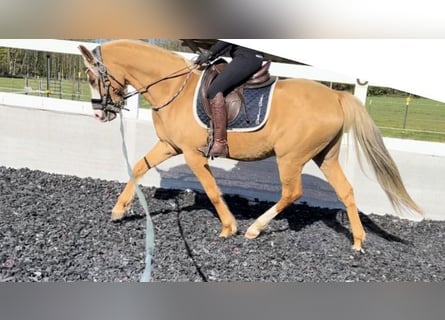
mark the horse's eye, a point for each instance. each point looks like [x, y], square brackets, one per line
[91, 77]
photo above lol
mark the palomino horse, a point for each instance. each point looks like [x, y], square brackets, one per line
[306, 122]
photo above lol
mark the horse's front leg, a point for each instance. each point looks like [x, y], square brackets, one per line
[159, 153]
[200, 167]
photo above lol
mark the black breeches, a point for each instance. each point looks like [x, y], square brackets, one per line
[236, 72]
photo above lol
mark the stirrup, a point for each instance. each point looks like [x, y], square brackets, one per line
[210, 140]
[205, 150]
[223, 153]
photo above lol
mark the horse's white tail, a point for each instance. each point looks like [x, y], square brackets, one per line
[368, 137]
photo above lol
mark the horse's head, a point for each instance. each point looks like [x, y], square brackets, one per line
[107, 90]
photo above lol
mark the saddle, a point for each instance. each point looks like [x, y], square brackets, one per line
[234, 101]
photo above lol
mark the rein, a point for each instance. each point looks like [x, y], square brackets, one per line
[107, 104]
[149, 233]
[170, 76]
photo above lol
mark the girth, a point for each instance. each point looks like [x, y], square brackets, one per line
[234, 101]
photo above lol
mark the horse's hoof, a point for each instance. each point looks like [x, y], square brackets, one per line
[227, 232]
[117, 213]
[358, 249]
[116, 216]
[251, 233]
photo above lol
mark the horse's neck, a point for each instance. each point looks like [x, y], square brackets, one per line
[146, 70]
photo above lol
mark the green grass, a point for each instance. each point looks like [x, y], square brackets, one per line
[66, 89]
[425, 118]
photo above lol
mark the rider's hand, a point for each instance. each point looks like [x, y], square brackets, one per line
[204, 58]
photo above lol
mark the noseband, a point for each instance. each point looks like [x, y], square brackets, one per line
[106, 103]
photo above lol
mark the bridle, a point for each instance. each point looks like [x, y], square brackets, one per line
[106, 103]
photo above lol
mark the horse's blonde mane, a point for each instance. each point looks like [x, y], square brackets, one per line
[126, 43]
[139, 43]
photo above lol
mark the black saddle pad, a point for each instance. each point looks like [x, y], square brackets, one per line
[257, 109]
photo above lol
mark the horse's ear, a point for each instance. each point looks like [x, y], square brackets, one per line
[87, 55]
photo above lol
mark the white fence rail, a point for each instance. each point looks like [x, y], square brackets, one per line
[71, 47]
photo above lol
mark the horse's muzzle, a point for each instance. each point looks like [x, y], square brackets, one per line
[104, 116]
[103, 113]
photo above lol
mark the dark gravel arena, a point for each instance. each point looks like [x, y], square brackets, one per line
[57, 228]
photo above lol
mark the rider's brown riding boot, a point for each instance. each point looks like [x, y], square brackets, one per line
[219, 117]
[219, 114]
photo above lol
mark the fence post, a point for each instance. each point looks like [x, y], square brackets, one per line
[48, 73]
[132, 105]
[405, 115]
[361, 90]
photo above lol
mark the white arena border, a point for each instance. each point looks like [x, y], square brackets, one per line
[84, 108]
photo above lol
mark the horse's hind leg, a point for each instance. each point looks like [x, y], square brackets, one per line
[290, 176]
[199, 165]
[335, 176]
[159, 153]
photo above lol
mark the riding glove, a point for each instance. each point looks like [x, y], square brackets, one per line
[204, 57]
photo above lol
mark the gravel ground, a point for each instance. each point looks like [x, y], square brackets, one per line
[57, 228]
